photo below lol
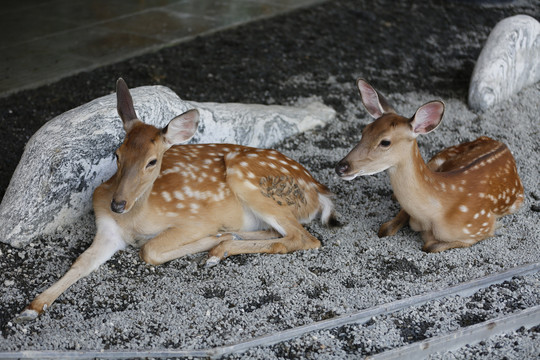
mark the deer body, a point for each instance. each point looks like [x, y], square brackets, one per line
[172, 200]
[204, 190]
[455, 199]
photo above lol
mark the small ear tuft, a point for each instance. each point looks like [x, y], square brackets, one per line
[124, 105]
[375, 104]
[182, 128]
[427, 117]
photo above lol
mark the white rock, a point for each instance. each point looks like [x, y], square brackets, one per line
[73, 153]
[509, 61]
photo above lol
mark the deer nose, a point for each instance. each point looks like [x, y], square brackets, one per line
[342, 167]
[118, 206]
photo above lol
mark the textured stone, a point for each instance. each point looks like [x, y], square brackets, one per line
[73, 153]
[509, 61]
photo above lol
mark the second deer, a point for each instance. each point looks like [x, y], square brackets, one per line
[455, 199]
[175, 200]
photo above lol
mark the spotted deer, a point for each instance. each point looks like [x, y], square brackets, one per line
[175, 200]
[455, 199]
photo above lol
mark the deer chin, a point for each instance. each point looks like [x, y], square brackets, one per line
[353, 176]
[349, 177]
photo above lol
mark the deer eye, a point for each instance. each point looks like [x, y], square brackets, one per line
[151, 163]
[385, 143]
[117, 157]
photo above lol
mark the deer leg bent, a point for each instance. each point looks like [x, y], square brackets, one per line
[174, 243]
[252, 235]
[106, 243]
[294, 236]
[432, 245]
[292, 241]
[391, 227]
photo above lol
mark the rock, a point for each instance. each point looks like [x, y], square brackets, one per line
[509, 61]
[73, 153]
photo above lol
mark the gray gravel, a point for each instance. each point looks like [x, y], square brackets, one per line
[127, 305]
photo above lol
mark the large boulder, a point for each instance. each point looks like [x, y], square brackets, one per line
[73, 153]
[509, 61]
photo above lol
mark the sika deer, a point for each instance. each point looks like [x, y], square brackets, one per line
[456, 198]
[176, 200]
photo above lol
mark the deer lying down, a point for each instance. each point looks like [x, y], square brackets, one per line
[454, 200]
[175, 200]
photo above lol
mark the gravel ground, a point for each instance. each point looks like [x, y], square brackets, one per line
[413, 53]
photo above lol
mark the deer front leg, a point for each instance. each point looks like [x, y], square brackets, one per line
[391, 227]
[174, 243]
[107, 242]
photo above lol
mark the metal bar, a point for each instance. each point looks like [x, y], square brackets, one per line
[470, 335]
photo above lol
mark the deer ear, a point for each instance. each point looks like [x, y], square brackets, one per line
[427, 117]
[181, 128]
[124, 105]
[375, 104]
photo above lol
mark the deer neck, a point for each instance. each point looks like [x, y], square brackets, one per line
[413, 184]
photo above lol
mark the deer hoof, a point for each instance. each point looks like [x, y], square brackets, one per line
[26, 315]
[212, 261]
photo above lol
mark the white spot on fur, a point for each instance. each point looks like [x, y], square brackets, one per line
[463, 208]
[178, 195]
[172, 170]
[187, 191]
[166, 196]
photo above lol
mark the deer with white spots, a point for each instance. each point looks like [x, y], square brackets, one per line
[175, 200]
[455, 199]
